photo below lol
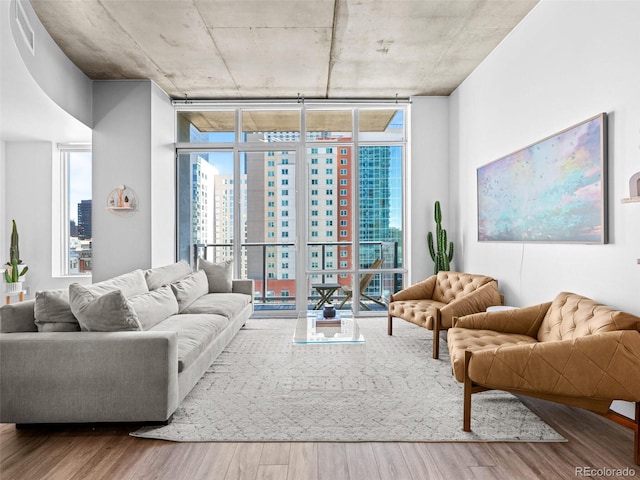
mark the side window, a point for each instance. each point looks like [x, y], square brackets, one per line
[76, 234]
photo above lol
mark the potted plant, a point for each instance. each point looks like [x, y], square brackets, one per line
[15, 269]
[438, 247]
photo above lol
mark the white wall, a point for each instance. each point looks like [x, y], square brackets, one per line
[133, 128]
[565, 62]
[27, 113]
[28, 191]
[52, 70]
[163, 182]
[4, 248]
[428, 180]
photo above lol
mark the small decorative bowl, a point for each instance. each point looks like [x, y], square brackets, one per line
[329, 311]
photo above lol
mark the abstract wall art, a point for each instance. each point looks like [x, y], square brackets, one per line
[551, 191]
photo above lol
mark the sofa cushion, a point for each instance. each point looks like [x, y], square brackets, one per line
[421, 312]
[53, 312]
[195, 333]
[571, 315]
[461, 339]
[225, 304]
[219, 275]
[159, 276]
[452, 285]
[154, 306]
[130, 284]
[110, 312]
[189, 289]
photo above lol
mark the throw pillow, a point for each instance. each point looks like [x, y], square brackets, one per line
[110, 312]
[189, 289]
[219, 275]
[53, 312]
[159, 276]
[153, 307]
[131, 283]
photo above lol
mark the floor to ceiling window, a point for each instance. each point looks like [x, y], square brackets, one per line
[73, 255]
[306, 198]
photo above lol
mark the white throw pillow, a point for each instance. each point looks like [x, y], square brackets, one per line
[110, 312]
[153, 307]
[132, 283]
[189, 289]
[219, 275]
[159, 276]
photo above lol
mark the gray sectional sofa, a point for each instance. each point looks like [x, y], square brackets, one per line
[128, 349]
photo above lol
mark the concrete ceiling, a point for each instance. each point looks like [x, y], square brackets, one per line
[242, 49]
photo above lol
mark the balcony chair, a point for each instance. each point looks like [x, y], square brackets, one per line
[364, 283]
[434, 302]
[572, 351]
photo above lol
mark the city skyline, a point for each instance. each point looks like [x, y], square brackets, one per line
[269, 178]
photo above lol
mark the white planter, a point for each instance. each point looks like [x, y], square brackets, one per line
[13, 287]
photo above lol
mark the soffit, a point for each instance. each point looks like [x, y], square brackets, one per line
[289, 120]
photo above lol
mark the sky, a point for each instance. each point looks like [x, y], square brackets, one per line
[79, 181]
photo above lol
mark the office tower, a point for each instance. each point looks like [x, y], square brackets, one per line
[84, 220]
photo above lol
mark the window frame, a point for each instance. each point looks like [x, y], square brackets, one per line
[61, 233]
[306, 152]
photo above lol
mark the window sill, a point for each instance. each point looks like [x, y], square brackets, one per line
[83, 275]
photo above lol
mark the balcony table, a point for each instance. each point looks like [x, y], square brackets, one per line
[326, 291]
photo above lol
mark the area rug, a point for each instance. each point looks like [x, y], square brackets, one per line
[263, 389]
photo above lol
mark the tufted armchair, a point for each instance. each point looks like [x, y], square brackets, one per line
[434, 302]
[572, 351]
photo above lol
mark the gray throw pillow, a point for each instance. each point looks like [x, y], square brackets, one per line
[53, 312]
[189, 289]
[153, 307]
[110, 312]
[219, 275]
[159, 276]
[131, 283]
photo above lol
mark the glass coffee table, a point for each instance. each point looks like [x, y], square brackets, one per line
[313, 328]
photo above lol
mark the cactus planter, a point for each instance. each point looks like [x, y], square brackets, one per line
[441, 258]
[15, 269]
[13, 287]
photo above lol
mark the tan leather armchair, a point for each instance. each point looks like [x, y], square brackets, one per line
[434, 302]
[572, 351]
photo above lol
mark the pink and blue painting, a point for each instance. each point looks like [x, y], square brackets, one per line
[551, 191]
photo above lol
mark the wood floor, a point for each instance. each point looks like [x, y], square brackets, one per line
[101, 452]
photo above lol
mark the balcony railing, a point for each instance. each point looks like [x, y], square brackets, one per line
[256, 257]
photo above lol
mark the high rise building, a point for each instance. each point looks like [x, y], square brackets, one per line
[202, 200]
[271, 215]
[378, 239]
[374, 192]
[212, 204]
[84, 220]
[267, 199]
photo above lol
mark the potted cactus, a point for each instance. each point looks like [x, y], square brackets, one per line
[438, 249]
[15, 269]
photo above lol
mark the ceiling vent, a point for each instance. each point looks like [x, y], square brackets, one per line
[25, 27]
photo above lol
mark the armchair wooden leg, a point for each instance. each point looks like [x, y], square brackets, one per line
[436, 336]
[389, 324]
[633, 424]
[468, 387]
[636, 436]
